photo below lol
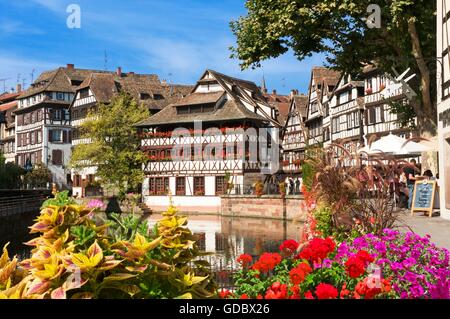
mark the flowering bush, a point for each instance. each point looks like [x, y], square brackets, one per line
[392, 265]
[417, 268]
[75, 257]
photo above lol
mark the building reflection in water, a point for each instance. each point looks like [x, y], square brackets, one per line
[227, 238]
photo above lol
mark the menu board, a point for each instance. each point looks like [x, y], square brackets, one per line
[423, 197]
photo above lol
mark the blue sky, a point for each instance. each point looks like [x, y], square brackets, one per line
[175, 39]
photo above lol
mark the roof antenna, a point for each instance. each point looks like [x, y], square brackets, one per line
[106, 61]
[170, 83]
[32, 75]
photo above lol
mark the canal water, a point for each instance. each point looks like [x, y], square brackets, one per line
[224, 237]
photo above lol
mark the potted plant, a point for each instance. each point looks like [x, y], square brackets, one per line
[259, 189]
[369, 91]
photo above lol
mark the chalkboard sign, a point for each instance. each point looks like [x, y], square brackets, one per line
[423, 197]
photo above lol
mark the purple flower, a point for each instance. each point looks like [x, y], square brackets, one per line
[95, 204]
[327, 263]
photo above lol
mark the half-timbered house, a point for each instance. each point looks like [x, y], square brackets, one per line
[443, 103]
[347, 111]
[43, 131]
[323, 81]
[294, 134]
[214, 132]
[380, 92]
[101, 87]
[8, 104]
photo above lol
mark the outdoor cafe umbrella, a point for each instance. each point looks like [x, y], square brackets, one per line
[394, 145]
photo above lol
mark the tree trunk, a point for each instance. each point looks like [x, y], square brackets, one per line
[426, 116]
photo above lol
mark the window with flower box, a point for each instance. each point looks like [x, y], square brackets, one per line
[199, 185]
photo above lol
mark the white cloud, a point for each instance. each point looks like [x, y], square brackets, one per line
[53, 5]
[16, 68]
[8, 27]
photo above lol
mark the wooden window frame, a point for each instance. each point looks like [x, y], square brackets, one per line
[199, 185]
[180, 186]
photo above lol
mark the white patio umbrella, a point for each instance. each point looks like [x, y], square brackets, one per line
[394, 145]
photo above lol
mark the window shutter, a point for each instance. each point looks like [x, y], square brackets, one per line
[64, 137]
[70, 136]
[50, 135]
[57, 157]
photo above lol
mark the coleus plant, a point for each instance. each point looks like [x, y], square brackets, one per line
[75, 257]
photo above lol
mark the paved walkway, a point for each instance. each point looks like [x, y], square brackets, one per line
[437, 227]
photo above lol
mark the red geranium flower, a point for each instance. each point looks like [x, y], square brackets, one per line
[299, 273]
[244, 296]
[289, 246]
[355, 267]
[308, 295]
[276, 291]
[267, 262]
[225, 294]
[326, 291]
[364, 256]
[318, 249]
[344, 292]
[244, 260]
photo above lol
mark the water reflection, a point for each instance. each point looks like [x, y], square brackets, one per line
[228, 237]
[224, 237]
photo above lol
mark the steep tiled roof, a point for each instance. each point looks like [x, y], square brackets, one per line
[200, 98]
[59, 80]
[106, 85]
[228, 112]
[301, 101]
[6, 97]
[232, 109]
[281, 103]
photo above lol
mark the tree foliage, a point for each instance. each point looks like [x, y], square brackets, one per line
[114, 144]
[9, 174]
[38, 177]
[338, 29]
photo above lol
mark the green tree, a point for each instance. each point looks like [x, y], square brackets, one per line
[338, 29]
[38, 177]
[9, 174]
[114, 144]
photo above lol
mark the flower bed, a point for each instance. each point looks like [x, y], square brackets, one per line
[392, 265]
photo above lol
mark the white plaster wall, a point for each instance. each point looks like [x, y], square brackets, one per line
[172, 185]
[210, 185]
[184, 202]
[189, 185]
[444, 175]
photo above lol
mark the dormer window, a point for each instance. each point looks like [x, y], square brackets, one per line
[158, 97]
[84, 93]
[144, 96]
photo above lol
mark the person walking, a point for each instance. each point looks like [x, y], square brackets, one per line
[410, 172]
[297, 185]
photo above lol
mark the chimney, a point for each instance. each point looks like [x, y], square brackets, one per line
[163, 81]
[70, 66]
[274, 92]
[119, 71]
[18, 88]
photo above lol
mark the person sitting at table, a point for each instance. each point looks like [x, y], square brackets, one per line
[410, 172]
[428, 174]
